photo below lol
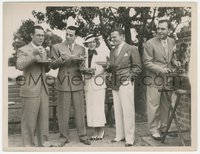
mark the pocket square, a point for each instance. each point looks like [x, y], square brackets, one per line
[125, 54]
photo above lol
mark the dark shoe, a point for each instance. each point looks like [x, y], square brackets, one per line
[170, 133]
[156, 138]
[128, 145]
[93, 138]
[63, 142]
[86, 142]
[100, 137]
[114, 140]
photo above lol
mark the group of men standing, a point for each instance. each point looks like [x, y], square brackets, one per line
[125, 66]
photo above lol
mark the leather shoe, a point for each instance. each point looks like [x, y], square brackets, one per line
[114, 140]
[128, 145]
[86, 142]
[170, 133]
[156, 138]
[93, 138]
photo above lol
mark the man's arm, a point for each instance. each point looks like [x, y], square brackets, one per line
[57, 60]
[24, 60]
[136, 62]
[148, 56]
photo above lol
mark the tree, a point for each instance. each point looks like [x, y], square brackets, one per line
[100, 21]
[143, 20]
[22, 37]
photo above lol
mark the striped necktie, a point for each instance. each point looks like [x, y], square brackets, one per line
[165, 45]
[70, 48]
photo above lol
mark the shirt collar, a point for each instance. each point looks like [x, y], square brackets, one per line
[121, 45]
[162, 41]
[35, 46]
[72, 45]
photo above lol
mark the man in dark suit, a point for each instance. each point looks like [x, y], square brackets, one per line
[66, 56]
[34, 93]
[125, 67]
[158, 59]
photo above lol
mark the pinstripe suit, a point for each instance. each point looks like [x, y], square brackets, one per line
[34, 93]
[70, 88]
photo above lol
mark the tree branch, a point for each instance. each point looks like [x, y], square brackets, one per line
[112, 14]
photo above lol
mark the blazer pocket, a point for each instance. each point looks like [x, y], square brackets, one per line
[125, 55]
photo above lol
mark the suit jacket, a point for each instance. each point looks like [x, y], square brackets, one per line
[126, 66]
[34, 73]
[69, 76]
[98, 79]
[155, 60]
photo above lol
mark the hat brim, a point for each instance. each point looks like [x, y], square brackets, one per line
[90, 39]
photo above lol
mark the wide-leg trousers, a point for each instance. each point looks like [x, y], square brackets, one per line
[65, 100]
[35, 118]
[157, 110]
[124, 110]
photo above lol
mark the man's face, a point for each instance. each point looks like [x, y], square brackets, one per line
[70, 36]
[116, 38]
[38, 37]
[162, 30]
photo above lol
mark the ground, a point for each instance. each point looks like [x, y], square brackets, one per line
[141, 133]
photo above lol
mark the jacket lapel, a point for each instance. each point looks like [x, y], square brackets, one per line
[86, 59]
[121, 54]
[170, 49]
[162, 49]
[112, 58]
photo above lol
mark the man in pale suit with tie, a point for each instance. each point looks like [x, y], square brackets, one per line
[34, 92]
[158, 58]
[66, 58]
[125, 67]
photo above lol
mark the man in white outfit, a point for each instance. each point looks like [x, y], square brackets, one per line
[125, 67]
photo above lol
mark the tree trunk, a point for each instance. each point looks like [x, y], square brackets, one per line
[128, 34]
[102, 31]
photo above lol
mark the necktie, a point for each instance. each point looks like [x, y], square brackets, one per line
[116, 52]
[165, 47]
[70, 47]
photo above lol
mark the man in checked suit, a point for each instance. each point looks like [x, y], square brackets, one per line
[158, 59]
[70, 84]
[125, 67]
[34, 92]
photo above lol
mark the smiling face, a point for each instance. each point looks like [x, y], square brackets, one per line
[70, 36]
[38, 37]
[92, 45]
[162, 30]
[116, 38]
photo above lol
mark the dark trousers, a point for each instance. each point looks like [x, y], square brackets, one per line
[65, 99]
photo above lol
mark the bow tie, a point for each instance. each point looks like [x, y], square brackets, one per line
[91, 52]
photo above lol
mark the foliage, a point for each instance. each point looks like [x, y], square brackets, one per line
[22, 37]
[143, 19]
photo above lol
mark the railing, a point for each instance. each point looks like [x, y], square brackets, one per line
[14, 96]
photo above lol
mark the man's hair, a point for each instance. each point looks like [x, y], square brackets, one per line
[119, 30]
[74, 29]
[167, 21]
[34, 28]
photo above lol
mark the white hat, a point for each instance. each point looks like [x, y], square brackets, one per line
[90, 38]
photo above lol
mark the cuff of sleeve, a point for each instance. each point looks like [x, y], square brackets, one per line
[60, 60]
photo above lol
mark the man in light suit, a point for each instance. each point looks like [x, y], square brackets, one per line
[125, 67]
[70, 88]
[158, 59]
[34, 92]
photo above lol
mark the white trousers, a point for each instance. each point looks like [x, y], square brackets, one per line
[124, 109]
